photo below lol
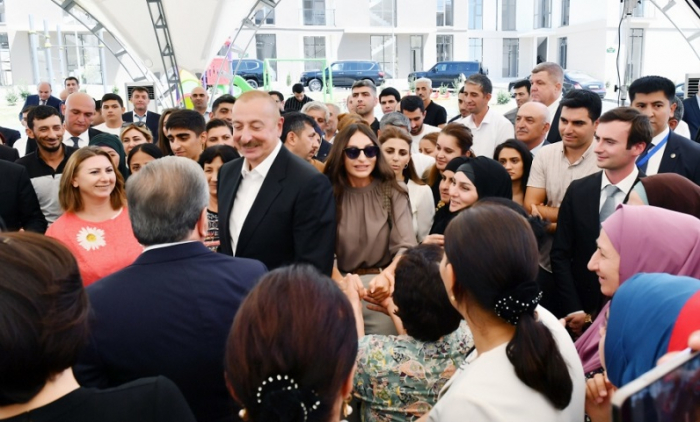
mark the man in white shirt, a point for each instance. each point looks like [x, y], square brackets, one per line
[532, 125]
[273, 206]
[412, 107]
[622, 135]
[79, 110]
[489, 128]
[112, 110]
[668, 151]
[200, 99]
[546, 82]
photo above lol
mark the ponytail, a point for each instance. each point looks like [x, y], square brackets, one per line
[537, 361]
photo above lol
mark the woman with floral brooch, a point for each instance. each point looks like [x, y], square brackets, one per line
[95, 225]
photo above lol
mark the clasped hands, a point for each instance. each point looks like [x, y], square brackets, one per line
[378, 294]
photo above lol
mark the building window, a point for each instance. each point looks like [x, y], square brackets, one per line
[562, 52]
[265, 16]
[315, 12]
[314, 48]
[510, 57]
[3, 18]
[266, 48]
[445, 13]
[476, 49]
[565, 11]
[543, 14]
[508, 14]
[5, 63]
[83, 61]
[382, 13]
[383, 51]
[639, 10]
[476, 14]
[444, 48]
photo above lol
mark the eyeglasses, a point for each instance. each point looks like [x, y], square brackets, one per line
[137, 124]
[353, 153]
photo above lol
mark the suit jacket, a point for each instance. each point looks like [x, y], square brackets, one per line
[19, 206]
[323, 150]
[554, 135]
[10, 135]
[681, 156]
[511, 115]
[578, 227]
[8, 154]
[292, 218]
[33, 100]
[169, 313]
[691, 115]
[152, 120]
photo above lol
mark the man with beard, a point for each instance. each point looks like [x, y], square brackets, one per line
[435, 115]
[45, 165]
[364, 98]
[200, 99]
[413, 108]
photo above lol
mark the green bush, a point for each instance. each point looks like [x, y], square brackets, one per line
[23, 92]
[443, 89]
[457, 84]
[11, 97]
[503, 97]
[289, 79]
[115, 90]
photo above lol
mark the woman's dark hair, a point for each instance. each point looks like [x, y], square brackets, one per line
[147, 148]
[424, 309]
[335, 165]
[538, 225]
[310, 337]
[506, 265]
[163, 142]
[391, 132]
[225, 152]
[525, 157]
[465, 141]
[43, 326]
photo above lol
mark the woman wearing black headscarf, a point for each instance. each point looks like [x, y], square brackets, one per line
[114, 147]
[443, 216]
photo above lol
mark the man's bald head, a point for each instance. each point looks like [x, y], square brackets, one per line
[44, 90]
[199, 99]
[79, 111]
[532, 123]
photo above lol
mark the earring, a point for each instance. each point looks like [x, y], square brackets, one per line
[406, 166]
[242, 414]
[452, 298]
[347, 409]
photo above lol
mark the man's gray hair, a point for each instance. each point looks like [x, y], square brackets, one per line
[335, 106]
[365, 83]
[679, 111]
[425, 81]
[166, 199]
[552, 69]
[395, 119]
[316, 105]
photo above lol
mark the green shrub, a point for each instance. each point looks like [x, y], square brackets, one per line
[502, 97]
[11, 97]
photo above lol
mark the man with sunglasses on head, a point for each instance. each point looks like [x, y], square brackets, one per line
[112, 107]
[273, 205]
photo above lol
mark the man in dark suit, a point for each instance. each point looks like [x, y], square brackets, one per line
[668, 151]
[10, 135]
[622, 135]
[79, 111]
[140, 100]
[547, 80]
[532, 125]
[44, 97]
[169, 313]
[8, 154]
[19, 207]
[692, 115]
[273, 206]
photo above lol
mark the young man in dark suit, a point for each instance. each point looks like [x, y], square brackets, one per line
[169, 313]
[140, 100]
[622, 135]
[44, 97]
[273, 206]
[19, 207]
[692, 115]
[668, 151]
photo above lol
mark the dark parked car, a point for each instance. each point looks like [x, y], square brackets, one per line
[573, 80]
[345, 73]
[445, 73]
[252, 71]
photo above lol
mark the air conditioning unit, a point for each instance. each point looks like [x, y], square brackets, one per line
[628, 6]
[129, 88]
[691, 84]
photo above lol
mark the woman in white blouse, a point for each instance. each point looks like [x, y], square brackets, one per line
[396, 147]
[524, 367]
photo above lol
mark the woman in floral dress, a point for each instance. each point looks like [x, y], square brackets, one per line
[95, 225]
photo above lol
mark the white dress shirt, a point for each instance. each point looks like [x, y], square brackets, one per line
[625, 185]
[682, 129]
[493, 130]
[106, 129]
[248, 189]
[655, 160]
[416, 138]
[84, 139]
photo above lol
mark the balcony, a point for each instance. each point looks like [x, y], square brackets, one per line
[317, 17]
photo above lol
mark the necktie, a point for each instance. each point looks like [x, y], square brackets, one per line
[609, 204]
[43, 102]
[140, 119]
[643, 167]
[76, 141]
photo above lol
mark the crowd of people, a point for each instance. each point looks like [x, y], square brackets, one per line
[289, 260]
